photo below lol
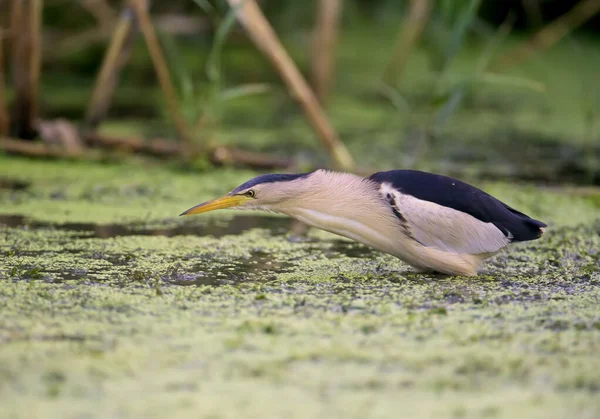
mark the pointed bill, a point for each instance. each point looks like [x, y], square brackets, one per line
[226, 201]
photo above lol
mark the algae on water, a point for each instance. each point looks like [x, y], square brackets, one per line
[113, 306]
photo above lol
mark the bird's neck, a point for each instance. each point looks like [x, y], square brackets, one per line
[356, 211]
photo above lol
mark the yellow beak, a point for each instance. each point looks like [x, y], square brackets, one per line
[226, 201]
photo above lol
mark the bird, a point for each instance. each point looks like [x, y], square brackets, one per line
[434, 223]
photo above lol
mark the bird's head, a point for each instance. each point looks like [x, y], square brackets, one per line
[266, 192]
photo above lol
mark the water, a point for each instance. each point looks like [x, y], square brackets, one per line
[202, 268]
[210, 227]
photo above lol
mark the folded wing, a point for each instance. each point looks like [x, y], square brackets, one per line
[453, 216]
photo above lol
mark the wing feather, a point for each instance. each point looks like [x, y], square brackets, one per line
[447, 229]
[464, 198]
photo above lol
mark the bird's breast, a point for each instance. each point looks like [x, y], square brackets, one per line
[376, 232]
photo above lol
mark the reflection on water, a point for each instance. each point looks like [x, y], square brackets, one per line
[13, 184]
[205, 227]
[200, 268]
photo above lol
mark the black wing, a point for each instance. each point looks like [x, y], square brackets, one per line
[452, 193]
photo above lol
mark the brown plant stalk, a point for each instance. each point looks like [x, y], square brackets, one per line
[4, 118]
[118, 53]
[549, 34]
[264, 37]
[162, 69]
[56, 147]
[408, 37]
[26, 26]
[325, 38]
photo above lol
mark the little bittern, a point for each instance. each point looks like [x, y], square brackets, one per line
[432, 222]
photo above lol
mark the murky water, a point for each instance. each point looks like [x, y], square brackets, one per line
[195, 269]
[258, 267]
[13, 184]
[211, 227]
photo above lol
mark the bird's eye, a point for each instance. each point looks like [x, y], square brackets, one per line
[250, 193]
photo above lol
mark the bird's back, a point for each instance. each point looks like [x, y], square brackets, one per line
[460, 196]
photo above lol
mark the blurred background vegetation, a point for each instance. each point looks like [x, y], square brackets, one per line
[496, 89]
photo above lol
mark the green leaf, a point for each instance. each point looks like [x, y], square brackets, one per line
[207, 8]
[395, 97]
[449, 108]
[460, 28]
[501, 79]
[499, 36]
[244, 90]
[213, 65]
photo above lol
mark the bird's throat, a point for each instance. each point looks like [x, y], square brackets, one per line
[350, 227]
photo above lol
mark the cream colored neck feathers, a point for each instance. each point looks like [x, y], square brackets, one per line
[344, 204]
